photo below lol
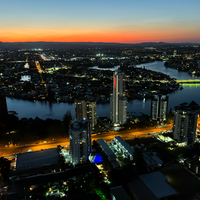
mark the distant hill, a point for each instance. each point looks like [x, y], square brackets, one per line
[82, 45]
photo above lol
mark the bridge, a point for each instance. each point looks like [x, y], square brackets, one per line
[188, 81]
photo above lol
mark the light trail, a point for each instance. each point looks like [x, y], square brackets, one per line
[125, 134]
[39, 67]
[189, 81]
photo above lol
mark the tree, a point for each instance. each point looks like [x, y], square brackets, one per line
[13, 113]
[28, 86]
[67, 120]
[50, 94]
[4, 168]
[170, 116]
[11, 121]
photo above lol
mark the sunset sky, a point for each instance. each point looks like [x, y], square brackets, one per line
[124, 21]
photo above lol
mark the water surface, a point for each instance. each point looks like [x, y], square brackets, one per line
[46, 110]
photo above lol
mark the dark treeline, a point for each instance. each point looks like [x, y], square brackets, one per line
[29, 129]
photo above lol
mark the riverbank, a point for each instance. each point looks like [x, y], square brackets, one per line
[183, 65]
[95, 84]
[45, 109]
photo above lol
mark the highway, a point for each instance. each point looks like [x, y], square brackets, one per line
[38, 67]
[125, 134]
[131, 134]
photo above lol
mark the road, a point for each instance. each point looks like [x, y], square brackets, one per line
[131, 134]
[38, 67]
[125, 134]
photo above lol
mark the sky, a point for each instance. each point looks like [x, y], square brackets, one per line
[123, 21]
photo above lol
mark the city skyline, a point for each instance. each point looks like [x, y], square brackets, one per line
[48, 148]
[88, 21]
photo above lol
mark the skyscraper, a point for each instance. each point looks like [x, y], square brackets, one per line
[159, 105]
[80, 141]
[185, 123]
[3, 107]
[86, 109]
[118, 101]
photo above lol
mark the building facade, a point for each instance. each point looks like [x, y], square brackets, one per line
[118, 101]
[159, 106]
[80, 141]
[86, 109]
[185, 123]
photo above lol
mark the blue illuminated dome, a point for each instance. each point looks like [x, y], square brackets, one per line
[98, 159]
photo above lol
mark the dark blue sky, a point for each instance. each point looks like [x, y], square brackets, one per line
[127, 21]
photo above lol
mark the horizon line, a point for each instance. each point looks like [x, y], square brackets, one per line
[103, 42]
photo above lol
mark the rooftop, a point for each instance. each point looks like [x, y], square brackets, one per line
[106, 149]
[78, 125]
[115, 163]
[84, 99]
[157, 183]
[140, 190]
[37, 159]
[151, 159]
[125, 145]
[119, 193]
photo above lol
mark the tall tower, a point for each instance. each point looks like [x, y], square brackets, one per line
[118, 101]
[80, 141]
[3, 107]
[185, 123]
[86, 109]
[159, 106]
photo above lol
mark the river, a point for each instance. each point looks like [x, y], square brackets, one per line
[45, 110]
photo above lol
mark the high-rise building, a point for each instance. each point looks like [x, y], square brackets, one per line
[159, 106]
[80, 141]
[3, 107]
[118, 101]
[185, 123]
[86, 109]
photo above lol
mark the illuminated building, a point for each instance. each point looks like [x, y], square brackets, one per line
[86, 109]
[159, 105]
[118, 101]
[80, 141]
[108, 152]
[175, 52]
[124, 147]
[185, 123]
[3, 107]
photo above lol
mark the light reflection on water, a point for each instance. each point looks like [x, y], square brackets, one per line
[135, 107]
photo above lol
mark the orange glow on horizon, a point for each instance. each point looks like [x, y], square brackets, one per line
[131, 36]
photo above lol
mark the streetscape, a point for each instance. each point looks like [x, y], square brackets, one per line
[125, 134]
